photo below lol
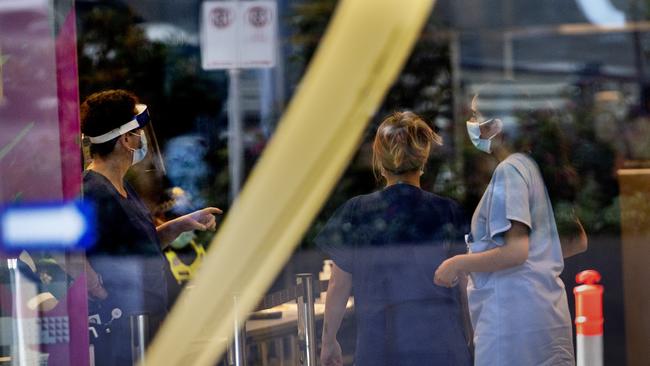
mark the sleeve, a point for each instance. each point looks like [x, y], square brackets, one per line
[106, 212]
[337, 237]
[509, 200]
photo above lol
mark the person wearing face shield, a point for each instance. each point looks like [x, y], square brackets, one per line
[517, 301]
[126, 265]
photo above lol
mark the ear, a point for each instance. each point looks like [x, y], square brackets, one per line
[124, 140]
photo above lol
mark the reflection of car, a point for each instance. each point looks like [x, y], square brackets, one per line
[169, 34]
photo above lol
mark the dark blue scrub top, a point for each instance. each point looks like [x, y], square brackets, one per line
[392, 241]
[127, 253]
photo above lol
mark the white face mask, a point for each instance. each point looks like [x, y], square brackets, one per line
[474, 132]
[139, 154]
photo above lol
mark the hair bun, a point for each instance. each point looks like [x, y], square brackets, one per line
[402, 143]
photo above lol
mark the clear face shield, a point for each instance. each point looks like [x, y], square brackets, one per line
[147, 173]
[152, 160]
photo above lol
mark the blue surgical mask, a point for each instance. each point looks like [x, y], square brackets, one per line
[474, 132]
[139, 154]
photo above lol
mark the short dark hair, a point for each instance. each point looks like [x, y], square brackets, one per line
[104, 111]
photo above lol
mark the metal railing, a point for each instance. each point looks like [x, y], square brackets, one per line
[303, 294]
[139, 337]
[306, 320]
[236, 353]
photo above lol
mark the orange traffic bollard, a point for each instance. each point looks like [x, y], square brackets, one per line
[589, 319]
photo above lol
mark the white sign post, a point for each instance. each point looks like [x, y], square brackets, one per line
[236, 35]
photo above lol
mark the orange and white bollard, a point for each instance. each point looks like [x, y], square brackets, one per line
[589, 319]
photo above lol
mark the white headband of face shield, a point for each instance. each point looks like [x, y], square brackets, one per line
[139, 121]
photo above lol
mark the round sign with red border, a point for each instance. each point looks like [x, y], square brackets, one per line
[221, 17]
[259, 16]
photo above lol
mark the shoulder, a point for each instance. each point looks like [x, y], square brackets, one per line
[90, 178]
[362, 205]
[364, 200]
[94, 186]
[343, 211]
[517, 164]
[441, 201]
[99, 191]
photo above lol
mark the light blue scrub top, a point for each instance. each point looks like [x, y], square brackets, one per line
[520, 315]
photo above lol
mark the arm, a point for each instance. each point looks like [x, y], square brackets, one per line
[197, 220]
[338, 292]
[513, 253]
[74, 265]
[467, 322]
[575, 244]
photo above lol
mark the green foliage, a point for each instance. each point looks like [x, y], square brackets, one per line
[308, 21]
[113, 52]
[594, 160]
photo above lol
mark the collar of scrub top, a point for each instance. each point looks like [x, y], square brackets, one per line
[140, 120]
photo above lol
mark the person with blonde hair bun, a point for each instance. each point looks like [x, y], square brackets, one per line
[386, 246]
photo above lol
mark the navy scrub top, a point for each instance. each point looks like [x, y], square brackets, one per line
[127, 253]
[392, 241]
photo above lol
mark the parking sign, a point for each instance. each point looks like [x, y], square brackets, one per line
[238, 34]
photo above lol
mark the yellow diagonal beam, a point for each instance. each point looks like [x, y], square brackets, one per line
[363, 50]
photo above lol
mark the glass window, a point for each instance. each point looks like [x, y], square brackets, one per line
[463, 175]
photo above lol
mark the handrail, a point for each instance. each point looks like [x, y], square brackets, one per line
[288, 294]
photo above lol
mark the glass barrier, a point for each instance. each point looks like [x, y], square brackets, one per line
[324, 182]
[43, 289]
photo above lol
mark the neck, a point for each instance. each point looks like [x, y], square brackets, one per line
[113, 169]
[501, 150]
[412, 178]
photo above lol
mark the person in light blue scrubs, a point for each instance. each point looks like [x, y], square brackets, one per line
[518, 303]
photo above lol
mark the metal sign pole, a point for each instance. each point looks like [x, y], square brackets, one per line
[139, 337]
[306, 333]
[235, 36]
[237, 351]
[235, 134]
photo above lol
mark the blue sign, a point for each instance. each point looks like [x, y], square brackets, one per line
[54, 226]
